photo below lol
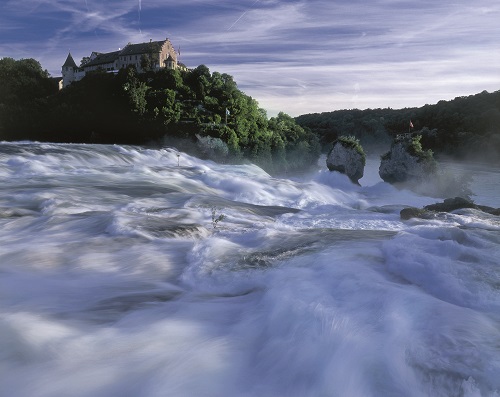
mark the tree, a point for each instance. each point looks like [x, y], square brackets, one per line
[84, 61]
[135, 92]
[147, 63]
[23, 80]
[24, 85]
[138, 108]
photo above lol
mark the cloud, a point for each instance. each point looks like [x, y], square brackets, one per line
[77, 25]
[298, 55]
[399, 54]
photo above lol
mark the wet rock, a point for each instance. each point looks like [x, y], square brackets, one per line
[451, 204]
[412, 212]
[457, 203]
[448, 205]
[406, 161]
[347, 157]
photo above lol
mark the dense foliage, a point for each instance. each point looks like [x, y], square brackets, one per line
[203, 112]
[461, 127]
[353, 143]
[414, 147]
[23, 87]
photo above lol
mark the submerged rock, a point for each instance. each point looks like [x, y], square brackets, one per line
[406, 161]
[412, 212]
[457, 203]
[347, 157]
[448, 205]
[451, 204]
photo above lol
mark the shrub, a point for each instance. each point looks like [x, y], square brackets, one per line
[414, 147]
[352, 142]
[214, 148]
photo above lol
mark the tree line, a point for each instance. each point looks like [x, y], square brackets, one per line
[205, 113]
[465, 127]
[199, 111]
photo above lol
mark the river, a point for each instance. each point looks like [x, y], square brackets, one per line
[127, 271]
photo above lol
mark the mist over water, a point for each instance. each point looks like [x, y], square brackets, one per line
[115, 280]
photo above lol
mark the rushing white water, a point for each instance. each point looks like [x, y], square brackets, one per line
[115, 280]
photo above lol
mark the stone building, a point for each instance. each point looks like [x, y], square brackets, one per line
[153, 55]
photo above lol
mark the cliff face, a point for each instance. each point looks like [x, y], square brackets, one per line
[346, 160]
[403, 163]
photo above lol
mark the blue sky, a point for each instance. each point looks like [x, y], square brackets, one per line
[297, 56]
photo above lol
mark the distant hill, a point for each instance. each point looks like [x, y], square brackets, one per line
[464, 127]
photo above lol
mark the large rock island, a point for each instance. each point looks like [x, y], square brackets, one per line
[347, 157]
[407, 161]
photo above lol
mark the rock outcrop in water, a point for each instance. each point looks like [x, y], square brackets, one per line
[347, 157]
[406, 161]
[448, 205]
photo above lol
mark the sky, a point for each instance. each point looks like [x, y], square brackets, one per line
[296, 56]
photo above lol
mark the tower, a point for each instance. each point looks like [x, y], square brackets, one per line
[170, 62]
[68, 71]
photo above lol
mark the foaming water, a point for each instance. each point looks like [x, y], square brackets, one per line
[127, 271]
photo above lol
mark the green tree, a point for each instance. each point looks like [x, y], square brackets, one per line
[136, 92]
[24, 87]
[138, 108]
[84, 61]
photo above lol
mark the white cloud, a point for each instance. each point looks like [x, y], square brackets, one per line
[297, 56]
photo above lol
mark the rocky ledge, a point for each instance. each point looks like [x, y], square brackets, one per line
[406, 161]
[347, 157]
[448, 205]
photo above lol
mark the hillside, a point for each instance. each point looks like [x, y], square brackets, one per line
[198, 111]
[205, 113]
[463, 127]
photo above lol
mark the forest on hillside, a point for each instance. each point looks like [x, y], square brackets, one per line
[465, 127]
[205, 114]
[198, 111]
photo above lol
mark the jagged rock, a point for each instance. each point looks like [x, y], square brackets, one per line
[407, 161]
[412, 212]
[347, 157]
[452, 204]
[448, 205]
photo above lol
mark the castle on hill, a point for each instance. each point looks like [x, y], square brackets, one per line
[153, 55]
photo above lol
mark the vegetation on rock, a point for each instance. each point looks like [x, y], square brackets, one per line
[414, 148]
[407, 162]
[351, 142]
